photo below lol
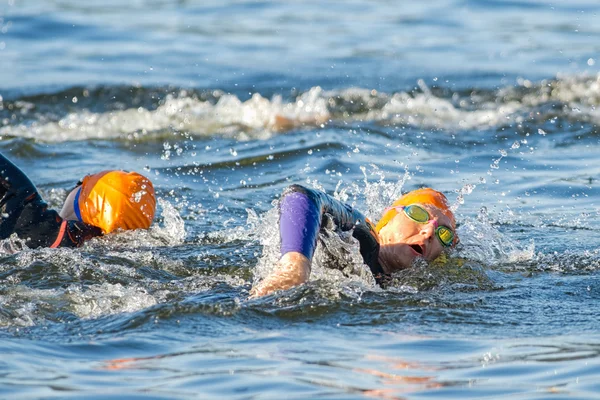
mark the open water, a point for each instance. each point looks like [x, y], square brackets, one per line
[225, 103]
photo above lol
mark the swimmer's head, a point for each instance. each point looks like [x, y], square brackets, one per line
[114, 200]
[425, 196]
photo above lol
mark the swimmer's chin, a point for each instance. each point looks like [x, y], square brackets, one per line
[396, 257]
[399, 257]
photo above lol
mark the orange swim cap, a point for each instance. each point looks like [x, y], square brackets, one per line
[114, 200]
[426, 196]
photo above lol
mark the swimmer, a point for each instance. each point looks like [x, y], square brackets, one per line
[417, 225]
[99, 204]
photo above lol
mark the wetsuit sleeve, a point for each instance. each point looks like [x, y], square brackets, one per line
[301, 215]
[16, 191]
[24, 212]
[299, 222]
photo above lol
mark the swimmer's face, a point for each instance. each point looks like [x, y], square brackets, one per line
[403, 240]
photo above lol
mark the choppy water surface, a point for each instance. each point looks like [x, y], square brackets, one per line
[224, 104]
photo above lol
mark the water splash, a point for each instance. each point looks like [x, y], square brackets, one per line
[460, 199]
[337, 260]
[380, 194]
[12, 245]
[105, 299]
[266, 233]
[482, 242]
[173, 229]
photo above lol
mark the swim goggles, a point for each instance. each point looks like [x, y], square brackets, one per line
[420, 215]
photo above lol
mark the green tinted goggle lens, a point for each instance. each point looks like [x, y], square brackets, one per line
[445, 235]
[419, 214]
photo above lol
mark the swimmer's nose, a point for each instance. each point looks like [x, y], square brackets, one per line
[428, 230]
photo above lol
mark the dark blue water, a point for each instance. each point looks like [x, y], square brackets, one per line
[224, 104]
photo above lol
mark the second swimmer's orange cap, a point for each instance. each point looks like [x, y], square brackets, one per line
[425, 196]
[114, 200]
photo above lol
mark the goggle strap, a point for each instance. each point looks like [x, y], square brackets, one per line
[76, 205]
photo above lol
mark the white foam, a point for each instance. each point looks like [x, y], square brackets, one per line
[257, 117]
[105, 299]
[260, 118]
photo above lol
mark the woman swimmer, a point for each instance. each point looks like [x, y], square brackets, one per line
[417, 225]
[99, 204]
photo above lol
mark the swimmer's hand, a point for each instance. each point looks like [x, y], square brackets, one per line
[292, 269]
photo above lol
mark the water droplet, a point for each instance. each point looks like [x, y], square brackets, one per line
[542, 132]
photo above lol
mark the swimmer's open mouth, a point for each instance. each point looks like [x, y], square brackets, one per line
[417, 248]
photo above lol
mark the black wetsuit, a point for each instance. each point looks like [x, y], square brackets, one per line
[24, 212]
[303, 214]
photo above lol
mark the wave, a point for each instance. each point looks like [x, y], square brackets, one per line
[135, 114]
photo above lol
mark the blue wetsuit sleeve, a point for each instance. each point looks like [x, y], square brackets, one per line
[301, 215]
[299, 222]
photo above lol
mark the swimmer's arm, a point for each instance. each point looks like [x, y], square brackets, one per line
[13, 182]
[299, 225]
[16, 190]
[292, 269]
[301, 212]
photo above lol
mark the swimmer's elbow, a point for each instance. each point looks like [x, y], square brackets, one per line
[295, 188]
